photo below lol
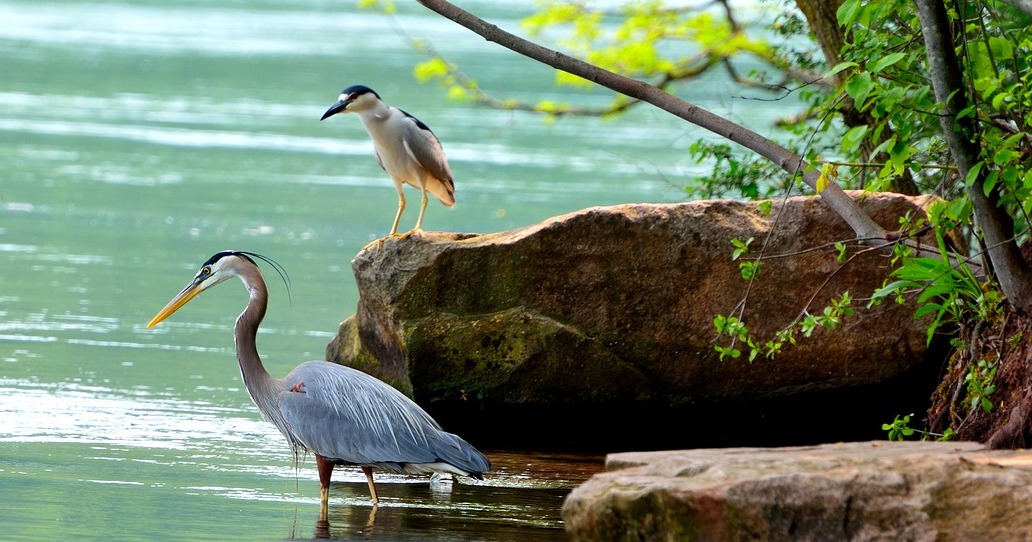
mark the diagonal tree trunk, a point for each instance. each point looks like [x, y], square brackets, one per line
[962, 135]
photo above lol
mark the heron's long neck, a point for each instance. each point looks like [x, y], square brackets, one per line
[373, 117]
[251, 369]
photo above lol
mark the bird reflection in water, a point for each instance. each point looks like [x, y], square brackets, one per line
[406, 510]
[323, 529]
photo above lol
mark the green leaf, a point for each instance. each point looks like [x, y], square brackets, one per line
[972, 174]
[990, 182]
[764, 207]
[838, 68]
[720, 323]
[848, 12]
[884, 146]
[999, 99]
[891, 288]
[749, 269]
[1001, 48]
[859, 87]
[926, 309]
[1004, 156]
[885, 62]
[852, 139]
[741, 247]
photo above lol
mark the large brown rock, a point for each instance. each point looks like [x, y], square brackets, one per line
[612, 307]
[898, 491]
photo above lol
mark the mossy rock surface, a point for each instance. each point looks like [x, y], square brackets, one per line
[517, 357]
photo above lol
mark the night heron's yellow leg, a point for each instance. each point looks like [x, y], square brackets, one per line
[372, 488]
[397, 217]
[422, 211]
[419, 221]
[394, 228]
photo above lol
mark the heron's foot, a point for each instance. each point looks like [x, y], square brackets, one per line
[377, 242]
[410, 233]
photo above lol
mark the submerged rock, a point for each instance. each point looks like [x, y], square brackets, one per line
[610, 310]
[858, 491]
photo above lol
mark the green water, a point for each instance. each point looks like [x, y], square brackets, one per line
[140, 137]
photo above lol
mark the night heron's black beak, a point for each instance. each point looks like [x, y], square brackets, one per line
[335, 108]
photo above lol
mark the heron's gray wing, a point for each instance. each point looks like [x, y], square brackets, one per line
[426, 148]
[345, 414]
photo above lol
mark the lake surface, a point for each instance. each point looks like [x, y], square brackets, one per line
[140, 137]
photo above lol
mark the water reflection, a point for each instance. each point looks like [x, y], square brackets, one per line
[448, 511]
[146, 440]
[82, 413]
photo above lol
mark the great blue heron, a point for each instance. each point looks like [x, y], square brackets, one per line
[405, 148]
[343, 416]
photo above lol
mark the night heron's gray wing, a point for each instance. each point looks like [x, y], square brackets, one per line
[426, 149]
[345, 414]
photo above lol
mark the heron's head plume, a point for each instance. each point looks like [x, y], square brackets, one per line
[352, 99]
[219, 268]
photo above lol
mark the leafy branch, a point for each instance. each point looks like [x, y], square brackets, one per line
[634, 48]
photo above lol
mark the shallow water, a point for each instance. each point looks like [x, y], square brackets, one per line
[139, 138]
[91, 461]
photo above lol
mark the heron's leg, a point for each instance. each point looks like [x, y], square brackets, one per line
[419, 221]
[394, 228]
[325, 467]
[401, 209]
[422, 211]
[372, 488]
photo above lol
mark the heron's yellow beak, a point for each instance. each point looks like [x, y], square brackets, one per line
[182, 298]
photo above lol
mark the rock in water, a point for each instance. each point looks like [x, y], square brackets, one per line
[917, 491]
[612, 308]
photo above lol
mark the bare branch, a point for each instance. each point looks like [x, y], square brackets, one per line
[832, 195]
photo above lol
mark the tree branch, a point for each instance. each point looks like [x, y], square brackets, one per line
[962, 135]
[832, 195]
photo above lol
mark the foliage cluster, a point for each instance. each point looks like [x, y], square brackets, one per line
[877, 126]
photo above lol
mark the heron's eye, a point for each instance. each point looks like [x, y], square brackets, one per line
[206, 270]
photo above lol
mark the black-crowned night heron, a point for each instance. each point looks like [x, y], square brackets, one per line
[342, 415]
[405, 148]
